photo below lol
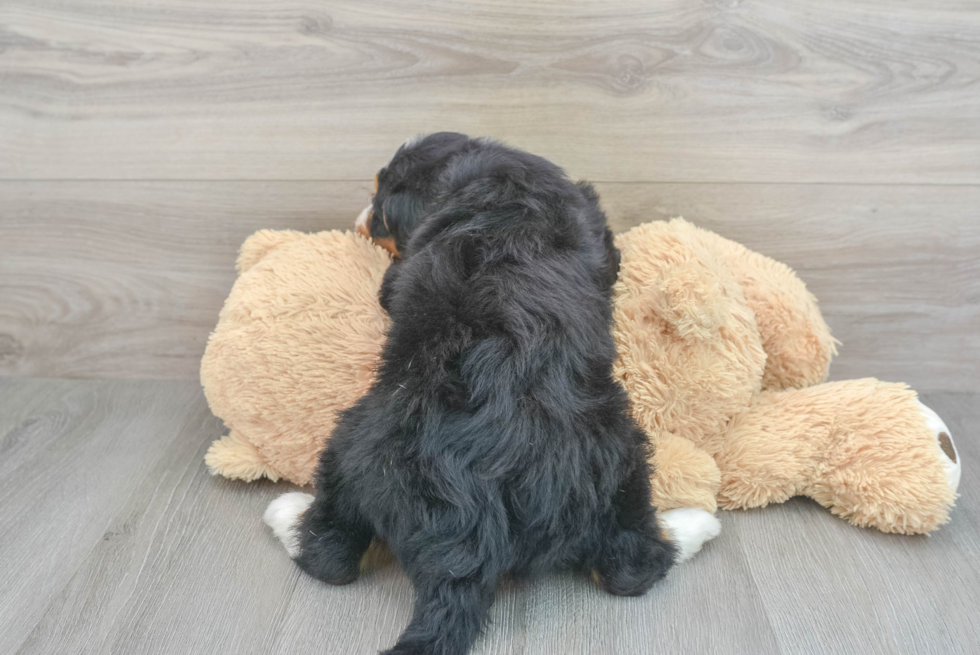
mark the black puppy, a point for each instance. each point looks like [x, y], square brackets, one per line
[494, 440]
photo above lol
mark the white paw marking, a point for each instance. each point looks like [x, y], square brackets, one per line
[690, 528]
[284, 515]
[952, 465]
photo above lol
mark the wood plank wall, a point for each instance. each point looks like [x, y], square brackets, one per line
[140, 143]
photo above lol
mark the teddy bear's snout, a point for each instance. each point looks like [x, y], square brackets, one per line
[944, 441]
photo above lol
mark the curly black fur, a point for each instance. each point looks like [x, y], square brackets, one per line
[494, 440]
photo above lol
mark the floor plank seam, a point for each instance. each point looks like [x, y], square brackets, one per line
[368, 181]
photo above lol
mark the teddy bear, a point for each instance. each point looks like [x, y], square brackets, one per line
[723, 353]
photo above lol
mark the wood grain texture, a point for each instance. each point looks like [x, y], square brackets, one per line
[71, 454]
[157, 556]
[125, 279]
[828, 587]
[110, 280]
[185, 567]
[689, 613]
[140, 143]
[762, 91]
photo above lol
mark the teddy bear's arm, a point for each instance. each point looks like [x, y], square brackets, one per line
[683, 474]
[296, 343]
[794, 335]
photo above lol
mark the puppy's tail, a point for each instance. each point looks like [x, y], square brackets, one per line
[689, 529]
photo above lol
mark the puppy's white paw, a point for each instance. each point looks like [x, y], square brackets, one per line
[690, 527]
[944, 442]
[284, 515]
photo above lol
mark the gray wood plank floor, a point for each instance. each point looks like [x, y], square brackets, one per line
[114, 539]
[140, 143]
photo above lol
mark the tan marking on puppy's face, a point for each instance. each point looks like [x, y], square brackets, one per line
[388, 244]
[363, 225]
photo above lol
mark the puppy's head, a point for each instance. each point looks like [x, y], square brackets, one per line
[406, 187]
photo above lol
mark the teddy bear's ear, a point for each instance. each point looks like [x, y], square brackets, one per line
[261, 244]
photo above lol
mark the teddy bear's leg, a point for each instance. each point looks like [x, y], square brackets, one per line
[683, 474]
[908, 483]
[323, 539]
[865, 449]
[766, 453]
[794, 335]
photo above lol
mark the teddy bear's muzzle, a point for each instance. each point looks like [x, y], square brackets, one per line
[944, 442]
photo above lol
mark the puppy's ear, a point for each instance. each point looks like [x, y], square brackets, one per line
[610, 271]
[610, 268]
[401, 212]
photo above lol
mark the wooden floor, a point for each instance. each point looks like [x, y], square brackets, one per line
[141, 142]
[114, 539]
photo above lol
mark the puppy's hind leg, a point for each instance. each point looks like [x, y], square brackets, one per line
[321, 533]
[284, 516]
[689, 528]
[633, 553]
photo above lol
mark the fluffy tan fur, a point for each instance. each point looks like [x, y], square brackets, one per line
[721, 350]
[857, 447]
[296, 343]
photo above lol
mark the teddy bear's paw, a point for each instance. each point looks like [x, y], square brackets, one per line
[944, 442]
[690, 528]
[284, 515]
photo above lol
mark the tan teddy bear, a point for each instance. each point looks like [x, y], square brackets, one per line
[721, 350]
